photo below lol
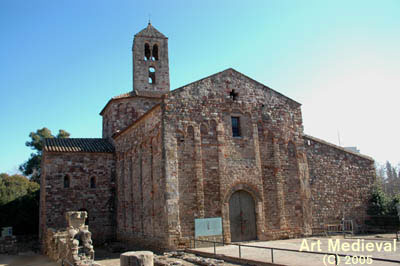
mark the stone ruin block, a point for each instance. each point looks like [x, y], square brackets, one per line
[72, 245]
[76, 219]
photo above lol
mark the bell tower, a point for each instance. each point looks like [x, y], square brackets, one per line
[150, 62]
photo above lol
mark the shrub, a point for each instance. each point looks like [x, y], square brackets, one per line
[382, 210]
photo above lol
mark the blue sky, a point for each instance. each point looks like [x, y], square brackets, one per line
[61, 61]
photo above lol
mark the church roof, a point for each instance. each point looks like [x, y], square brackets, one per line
[132, 94]
[124, 95]
[337, 147]
[151, 32]
[149, 94]
[239, 74]
[78, 145]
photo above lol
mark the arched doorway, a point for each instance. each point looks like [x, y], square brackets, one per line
[242, 216]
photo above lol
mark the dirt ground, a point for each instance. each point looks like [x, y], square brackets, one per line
[25, 259]
[106, 258]
[40, 260]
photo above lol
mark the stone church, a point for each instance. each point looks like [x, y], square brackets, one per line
[223, 146]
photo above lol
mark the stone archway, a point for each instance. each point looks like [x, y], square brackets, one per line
[242, 216]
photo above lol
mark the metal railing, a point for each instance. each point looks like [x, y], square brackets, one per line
[336, 255]
[343, 227]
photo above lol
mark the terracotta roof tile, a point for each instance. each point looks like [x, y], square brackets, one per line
[78, 145]
[125, 95]
[150, 94]
[130, 94]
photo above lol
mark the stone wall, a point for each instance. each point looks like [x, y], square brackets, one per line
[8, 245]
[206, 164]
[79, 168]
[141, 212]
[341, 182]
[119, 113]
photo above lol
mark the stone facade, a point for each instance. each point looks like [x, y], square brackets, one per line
[268, 160]
[140, 208]
[79, 169]
[339, 181]
[186, 154]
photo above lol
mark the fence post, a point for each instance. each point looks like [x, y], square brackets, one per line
[352, 228]
[272, 255]
[215, 251]
[240, 252]
[194, 242]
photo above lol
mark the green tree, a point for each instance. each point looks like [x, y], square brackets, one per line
[380, 181]
[31, 167]
[378, 203]
[388, 177]
[392, 179]
[19, 204]
[382, 209]
[15, 186]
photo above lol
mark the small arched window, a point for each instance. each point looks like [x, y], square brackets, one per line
[236, 132]
[152, 75]
[146, 52]
[92, 182]
[155, 52]
[66, 181]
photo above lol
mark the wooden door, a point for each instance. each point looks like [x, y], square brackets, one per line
[242, 217]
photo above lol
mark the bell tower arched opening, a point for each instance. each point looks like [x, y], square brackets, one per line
[146, 52]
[155, 52]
